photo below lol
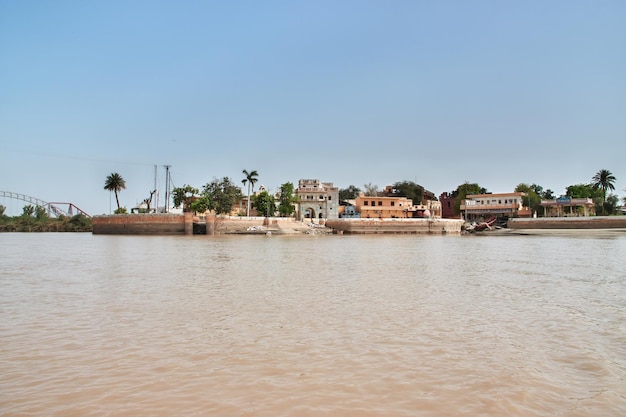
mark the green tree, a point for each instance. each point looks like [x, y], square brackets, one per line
[533, 196]
[287, 200]
[41, 213]
[250, 180]
[265, 204]
[462, 191]
[548, 194]
[184, 195]
[201, 204]
[611, 203]
[583, 191]
[115, 183]
[2, 210]
[604, 180]
[408, 189]
[349, 193]
[221, 195]
[28, 210]
[587, 191]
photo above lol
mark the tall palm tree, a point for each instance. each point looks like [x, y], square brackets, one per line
[604, 180]
[115, 183]
[251, 178]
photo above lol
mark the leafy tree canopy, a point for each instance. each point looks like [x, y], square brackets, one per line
[463, 190]
[28, 210]
[77, 223]
[40, 213]
[265, 204]
[184, 195]
[611, 204]
[534, 194]
[583, 191]
[220, 195]
[349, 193]
[408, 189]
[287, 200]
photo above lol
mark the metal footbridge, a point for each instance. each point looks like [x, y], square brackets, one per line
[56, 209]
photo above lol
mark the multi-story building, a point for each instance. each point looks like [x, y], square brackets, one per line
[384, 207]
[317, 200]
[395, 207]
[482, 206]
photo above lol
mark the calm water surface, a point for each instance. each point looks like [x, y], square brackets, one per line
[312, 325]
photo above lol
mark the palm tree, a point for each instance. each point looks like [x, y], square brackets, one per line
[115, 183]
[604, 180]
[251, 178]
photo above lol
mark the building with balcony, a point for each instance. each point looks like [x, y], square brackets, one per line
[503, 205]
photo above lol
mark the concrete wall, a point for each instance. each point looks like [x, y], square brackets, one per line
[417, 226]
[140, 224]
[221, 225]
[599, 222]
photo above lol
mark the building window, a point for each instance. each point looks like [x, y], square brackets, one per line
[380, 203]
[393, 203]
[373, 203]
[365, 203]
[330, 197]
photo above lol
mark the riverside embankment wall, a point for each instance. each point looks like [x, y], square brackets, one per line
[596, 222]
[142, 224]
[223, 225]
[418, 226]
[183, 224]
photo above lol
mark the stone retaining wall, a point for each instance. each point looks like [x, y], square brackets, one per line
[182, 224]
[597, 222]
[220, 225]
[141, 224]
[417, 226]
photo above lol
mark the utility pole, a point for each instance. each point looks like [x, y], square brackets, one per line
[167, 188]
[155, 195]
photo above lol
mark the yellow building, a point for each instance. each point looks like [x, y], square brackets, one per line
[384, 207]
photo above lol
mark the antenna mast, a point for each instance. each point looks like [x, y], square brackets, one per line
[167, 188]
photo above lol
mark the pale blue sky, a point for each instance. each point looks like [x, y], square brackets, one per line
[350, 92]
